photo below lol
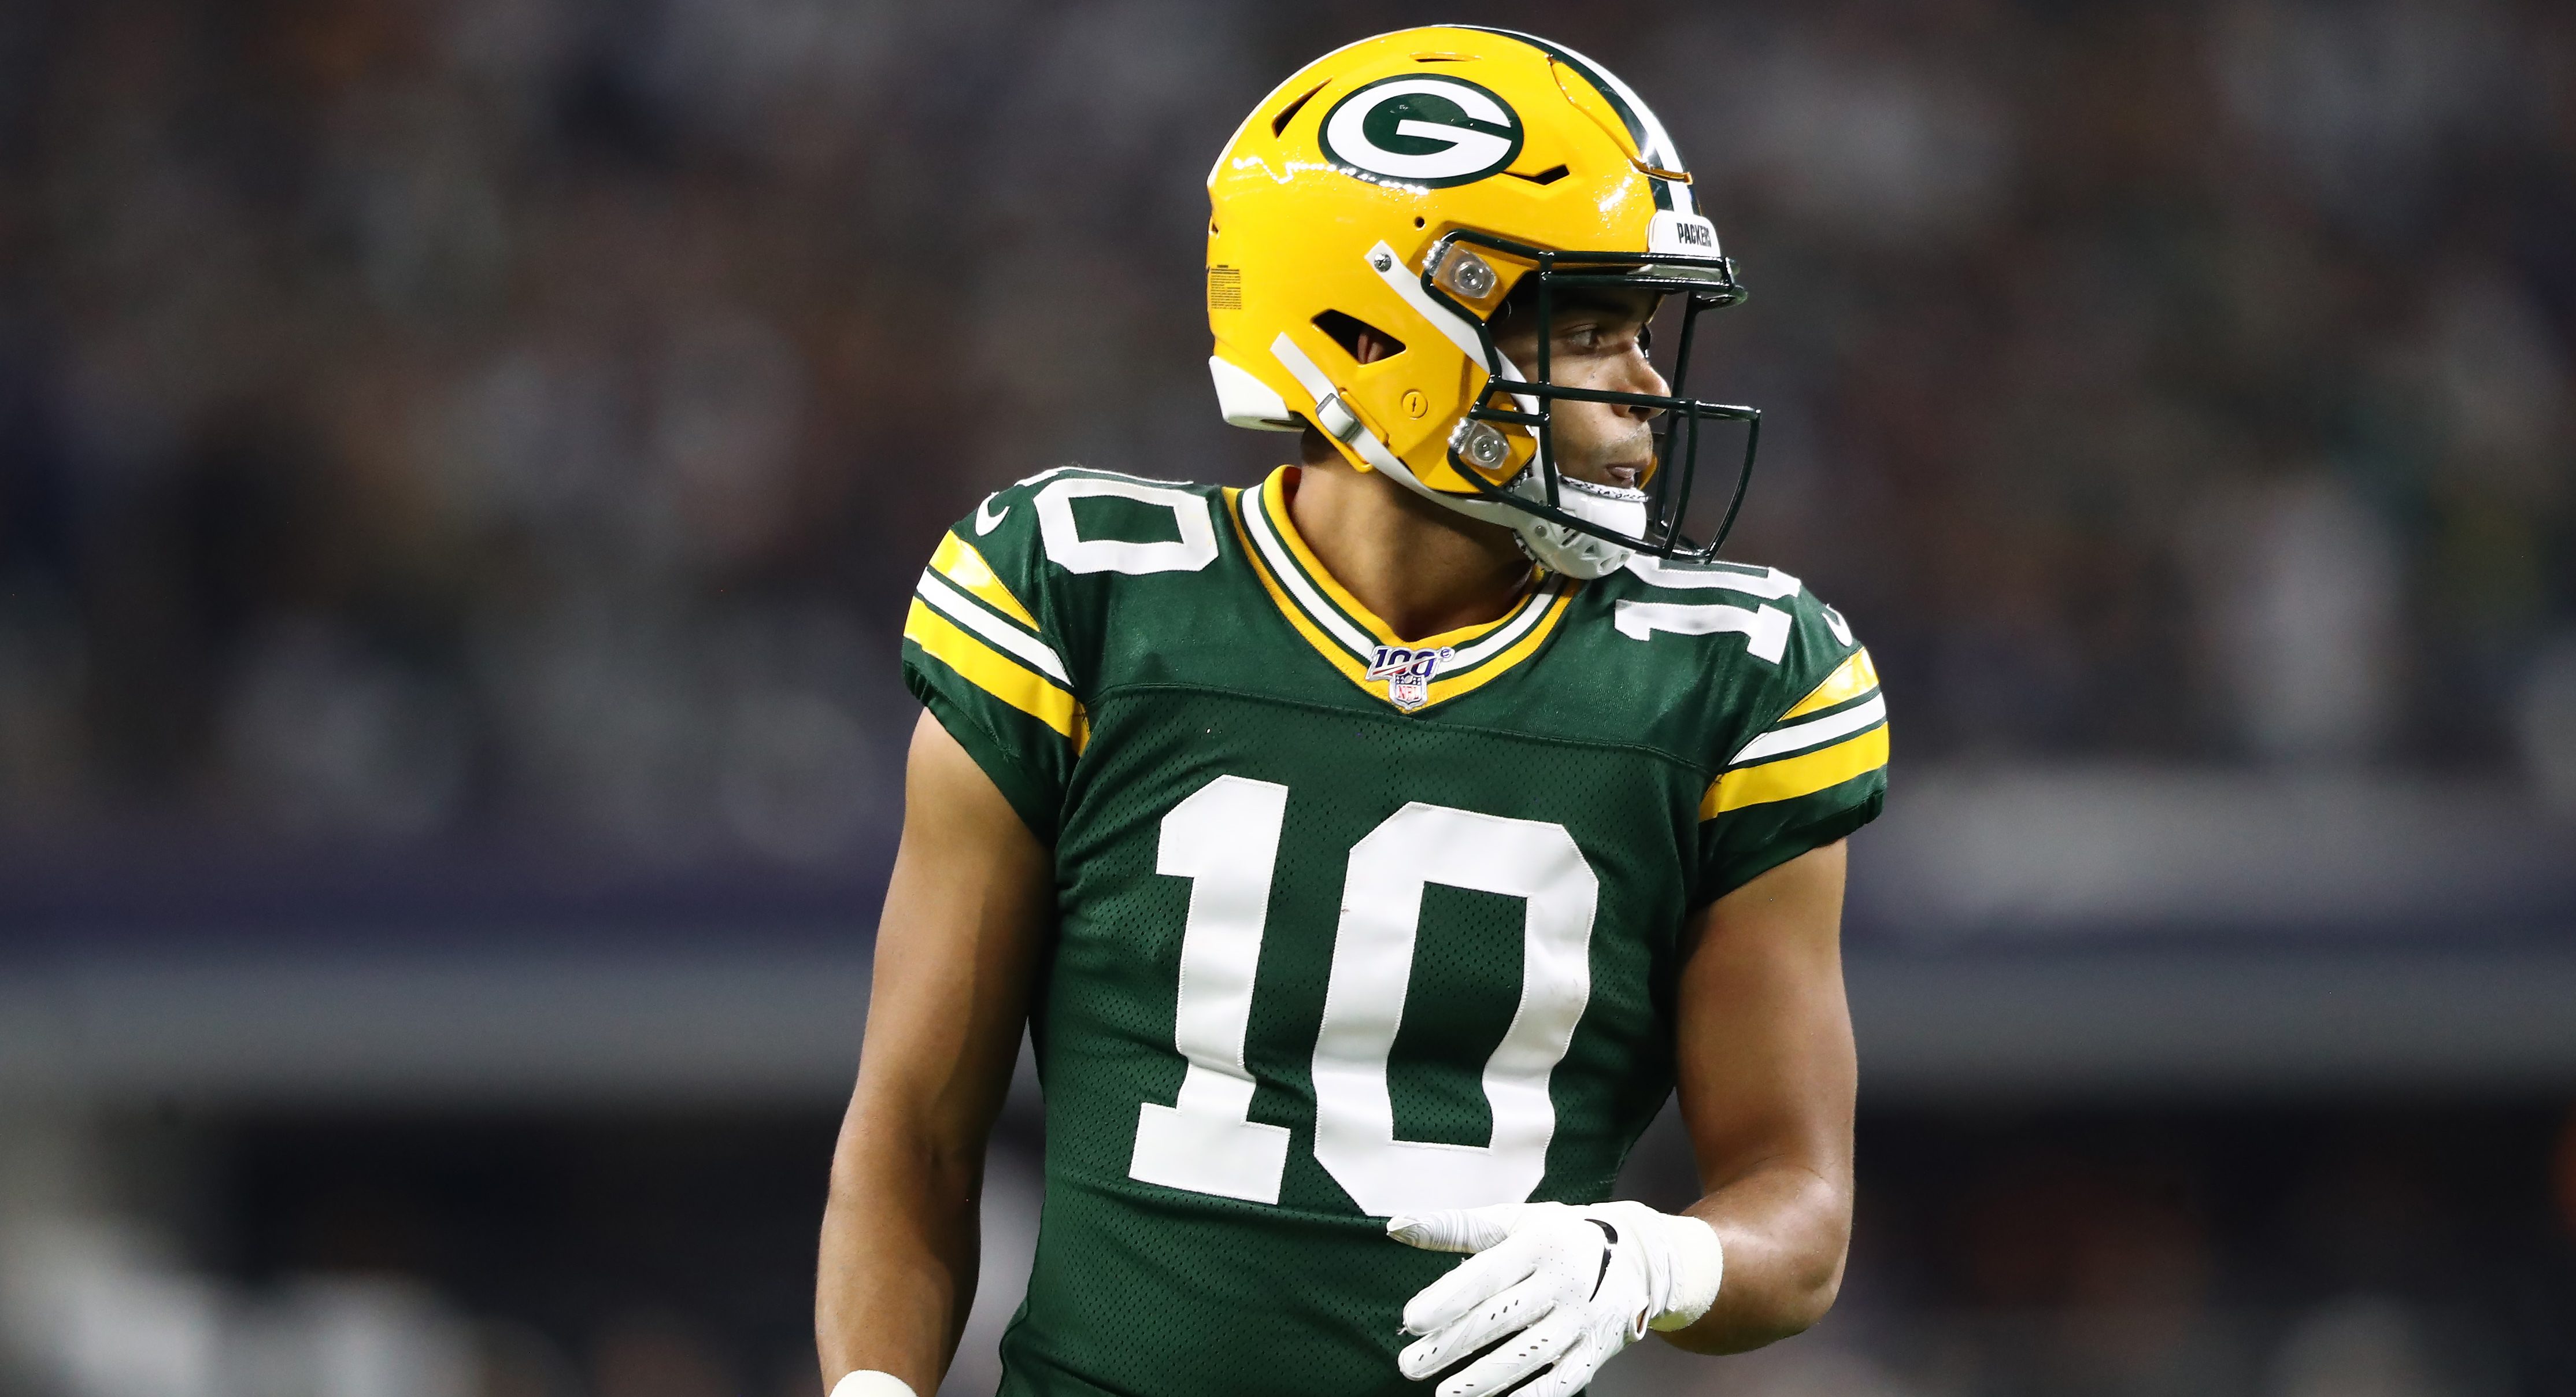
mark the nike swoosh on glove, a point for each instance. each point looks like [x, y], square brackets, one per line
[1571, 1286]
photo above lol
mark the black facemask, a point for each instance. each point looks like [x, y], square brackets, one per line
[1706, 282]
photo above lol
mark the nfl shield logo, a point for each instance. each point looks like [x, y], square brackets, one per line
[1408, 673]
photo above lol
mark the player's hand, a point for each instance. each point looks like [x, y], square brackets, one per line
[1572, 1285]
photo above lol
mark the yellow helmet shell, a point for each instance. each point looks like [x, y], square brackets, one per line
[1338, 186]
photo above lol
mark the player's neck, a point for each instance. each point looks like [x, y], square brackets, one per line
[1423, 569]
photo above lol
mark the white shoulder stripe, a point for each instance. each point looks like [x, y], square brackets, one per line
[1769, 582]
[955, 605]
[1797, 737]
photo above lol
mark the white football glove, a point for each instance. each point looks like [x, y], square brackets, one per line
[1575, 1285]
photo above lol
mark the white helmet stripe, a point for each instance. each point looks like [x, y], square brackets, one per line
[1655, 145]
[1391, 269]
[1408, 284]
[1364, 441]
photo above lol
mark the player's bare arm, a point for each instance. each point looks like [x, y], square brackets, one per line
[1766, 1078]
[965, 916]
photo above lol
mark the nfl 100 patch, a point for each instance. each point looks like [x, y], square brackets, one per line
[1408, 672]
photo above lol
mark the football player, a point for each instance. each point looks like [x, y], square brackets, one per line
[1372, 851]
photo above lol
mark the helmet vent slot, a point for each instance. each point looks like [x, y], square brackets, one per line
[1348, 330]
[1550, 175]
[1279, 123]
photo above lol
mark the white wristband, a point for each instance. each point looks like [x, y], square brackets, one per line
[868, 1382]
[1697, 1262]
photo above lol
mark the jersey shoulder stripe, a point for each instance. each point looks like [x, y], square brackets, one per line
[1851, 679]
[972, 659]
[1793, 777]
[1815, 732]
[1796, 741]
[965, 612]
[957, 560]
[1837, 733]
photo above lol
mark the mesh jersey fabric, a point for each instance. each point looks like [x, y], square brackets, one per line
[1538, 804]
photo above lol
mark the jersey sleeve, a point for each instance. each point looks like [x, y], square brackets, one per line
[1810, 766]
[986, 646]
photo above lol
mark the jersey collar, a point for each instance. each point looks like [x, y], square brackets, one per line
[1409, 675]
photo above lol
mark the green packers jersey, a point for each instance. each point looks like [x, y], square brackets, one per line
[1348, 925]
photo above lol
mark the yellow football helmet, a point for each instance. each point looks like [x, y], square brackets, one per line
[1407, 185]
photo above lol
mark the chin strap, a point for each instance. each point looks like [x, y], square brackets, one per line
[1569, 550]
[1344, 426]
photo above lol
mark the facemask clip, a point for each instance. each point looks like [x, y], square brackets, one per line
[1481, 444]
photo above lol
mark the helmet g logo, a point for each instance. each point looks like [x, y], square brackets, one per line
[1429, 131]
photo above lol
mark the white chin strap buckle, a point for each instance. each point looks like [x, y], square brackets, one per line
[1338, 422]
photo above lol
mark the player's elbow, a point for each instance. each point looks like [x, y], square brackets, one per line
[1775, 1302]
[1806, 1300]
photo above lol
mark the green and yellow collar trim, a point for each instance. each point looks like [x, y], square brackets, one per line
[1411, 675]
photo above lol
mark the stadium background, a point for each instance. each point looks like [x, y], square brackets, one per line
[461, 465]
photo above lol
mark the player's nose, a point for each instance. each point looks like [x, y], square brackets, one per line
[1641, 376]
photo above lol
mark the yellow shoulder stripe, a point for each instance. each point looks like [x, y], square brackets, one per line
[1792, 777]
[985, 668]
[957, 560]
[1856, 677]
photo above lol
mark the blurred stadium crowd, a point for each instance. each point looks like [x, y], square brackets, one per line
[517, 423]
[525, 415]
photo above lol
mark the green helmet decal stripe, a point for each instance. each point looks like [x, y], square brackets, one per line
[1643, 128]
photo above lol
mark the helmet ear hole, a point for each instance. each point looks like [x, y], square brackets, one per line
[1365, 343]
